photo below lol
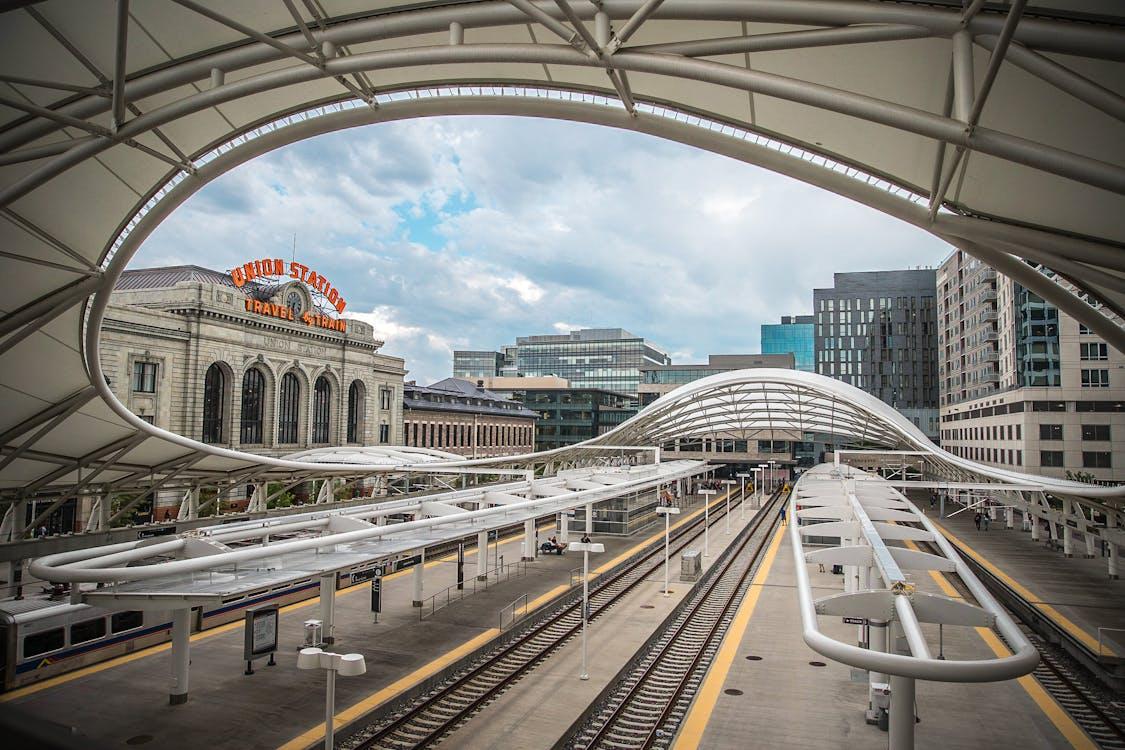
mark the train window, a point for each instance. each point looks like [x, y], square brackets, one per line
[80, 632]
[41, 643]
[126, 621]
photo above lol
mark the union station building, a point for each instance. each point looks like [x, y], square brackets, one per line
[261, 367]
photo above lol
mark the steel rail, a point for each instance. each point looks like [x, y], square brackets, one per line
[604, 583]
[684, 621]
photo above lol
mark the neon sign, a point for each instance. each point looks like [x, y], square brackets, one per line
[275, 267]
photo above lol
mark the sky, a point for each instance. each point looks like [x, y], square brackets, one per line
[463, 233]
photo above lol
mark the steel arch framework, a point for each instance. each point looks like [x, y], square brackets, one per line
[918, 110]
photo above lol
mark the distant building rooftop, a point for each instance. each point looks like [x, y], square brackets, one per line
[456, 395]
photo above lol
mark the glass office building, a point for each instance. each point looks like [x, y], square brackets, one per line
[656, 380]
[607, 358]
[477, 364]
[795, 335]
[571, 415]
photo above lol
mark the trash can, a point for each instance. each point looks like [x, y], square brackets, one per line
[691, 565]
[313, 634]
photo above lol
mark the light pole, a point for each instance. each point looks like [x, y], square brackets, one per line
[586, 548]
[349, 665]
[706, 521]
[742, 503]
[762, 480]
[668, 512]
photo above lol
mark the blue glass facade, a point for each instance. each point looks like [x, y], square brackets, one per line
[794, 334]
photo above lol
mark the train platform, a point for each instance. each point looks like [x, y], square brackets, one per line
[280, 706]
[538, 713]
[1075, 593]
[768, 689]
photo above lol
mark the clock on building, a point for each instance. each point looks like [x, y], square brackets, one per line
[295, 302]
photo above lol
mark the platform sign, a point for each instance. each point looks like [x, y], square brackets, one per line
[408, 562]
[260, 635]
[359, 576]
[855, 620]
[377, 596]
[460, 566]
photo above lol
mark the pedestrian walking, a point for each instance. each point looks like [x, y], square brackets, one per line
[781, 513]
[977, 519]
[987, 519]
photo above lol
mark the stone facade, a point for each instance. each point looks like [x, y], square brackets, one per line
[165, 328]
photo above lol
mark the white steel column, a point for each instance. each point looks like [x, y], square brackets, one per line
[181, 656]
[902, 713]
[564, 526]
[1068, 533]
[589, 518]
[419, 577]
[482, 555]
[327, 606]
[529, 540]
[1114, 552]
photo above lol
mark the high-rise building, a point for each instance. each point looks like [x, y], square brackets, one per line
[1023, 385]
[477, 364]
[601, 358]
[795, 335]
[877, 330]
[656, 380]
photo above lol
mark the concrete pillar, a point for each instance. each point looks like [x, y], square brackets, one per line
[564, 527]
[1035, 528]
[590, 518]
[482, 555]
[419, 578]
[1010, 518]
[181, 656]
[1114, 552]
[1026, 521]
[1090, 551]
[529, 540]
[327, 606]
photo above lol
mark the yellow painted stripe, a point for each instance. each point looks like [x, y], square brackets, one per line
[118, 661]
[1047, 704]
[1089, 640]
[702, 707]
[356, 710]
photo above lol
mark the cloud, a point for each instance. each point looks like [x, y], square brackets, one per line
[468, 232]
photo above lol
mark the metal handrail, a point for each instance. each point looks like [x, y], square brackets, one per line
[504, 569]
[511, 606]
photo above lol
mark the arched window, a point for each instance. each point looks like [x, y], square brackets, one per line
[289, 409]
[322, 394]
[214, 394]
[253, 405]
[355, 412]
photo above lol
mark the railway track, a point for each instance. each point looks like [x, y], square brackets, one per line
[645, 708]
[427, 720]
[1097, 709]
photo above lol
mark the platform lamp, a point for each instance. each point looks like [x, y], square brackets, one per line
[586, 548]
[742, 475]
[762, 475]
[667, 512]
[348, 665]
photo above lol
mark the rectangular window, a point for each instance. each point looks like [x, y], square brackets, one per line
[1096, 460]
[1095, 378]
[1019, 458]
[385, 399]
[1050, 432]
[384, 433]
[1093, 351]
[1019, 432]
[147, 418]
[89, 630]
[1082, 329]
[42, 643]
[144, 377]
[121, 621]
[1050, 458]
[1095, 432]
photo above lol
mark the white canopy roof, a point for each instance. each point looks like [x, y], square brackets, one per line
[997, 129]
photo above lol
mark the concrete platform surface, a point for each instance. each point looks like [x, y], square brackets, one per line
[771, 690]
[536, 713]
[125, 700]
[1076, 591]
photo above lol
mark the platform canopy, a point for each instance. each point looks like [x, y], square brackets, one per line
[997, 127]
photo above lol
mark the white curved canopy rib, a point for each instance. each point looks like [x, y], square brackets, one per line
[870, 100]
